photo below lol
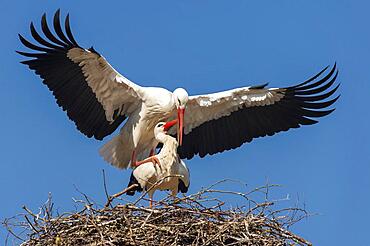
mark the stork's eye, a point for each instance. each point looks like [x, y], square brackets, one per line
[161, 124]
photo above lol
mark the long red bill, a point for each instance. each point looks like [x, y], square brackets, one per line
[169, 124]
[180, 117]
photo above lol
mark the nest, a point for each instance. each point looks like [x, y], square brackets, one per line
[198, 219]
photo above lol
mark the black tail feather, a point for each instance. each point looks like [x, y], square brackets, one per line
[182, 187]
[138, 188]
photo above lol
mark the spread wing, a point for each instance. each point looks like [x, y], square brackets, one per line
[94, 95]
[225, 120]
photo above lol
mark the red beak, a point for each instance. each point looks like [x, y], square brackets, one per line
[180, 117]
[169, 124]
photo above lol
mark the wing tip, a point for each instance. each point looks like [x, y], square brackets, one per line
[43, 18]
[23, 62]
[315, 77]
[52, 42]
[20, 37]
[315, 87]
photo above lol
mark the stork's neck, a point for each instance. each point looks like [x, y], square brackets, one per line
[162, 137]
[168, 152]
[169, 142]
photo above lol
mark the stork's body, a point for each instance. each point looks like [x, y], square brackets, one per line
[137, 135]
[171, 172]
[99, 99]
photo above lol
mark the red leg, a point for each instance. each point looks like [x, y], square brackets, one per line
[151, 152]
[151, 202]
[133, 158]
[152, 158]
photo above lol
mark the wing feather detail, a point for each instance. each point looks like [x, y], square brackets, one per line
[225, 120]
[94, 95]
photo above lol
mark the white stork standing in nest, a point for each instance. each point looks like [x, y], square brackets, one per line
[166, 172]
[99, 99]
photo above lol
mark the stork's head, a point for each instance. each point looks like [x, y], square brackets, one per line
[160, 130]
[181, 99]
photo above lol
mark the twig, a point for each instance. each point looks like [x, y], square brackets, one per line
[111, 198]
[31, 225]
[105, 185]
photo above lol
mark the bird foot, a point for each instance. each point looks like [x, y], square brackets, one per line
[152, 159]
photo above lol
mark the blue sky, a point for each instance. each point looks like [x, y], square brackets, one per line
[204, 46]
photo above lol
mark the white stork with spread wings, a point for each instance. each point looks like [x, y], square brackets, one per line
[98, 99]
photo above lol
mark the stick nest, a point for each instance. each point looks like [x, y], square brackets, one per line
[198, 219]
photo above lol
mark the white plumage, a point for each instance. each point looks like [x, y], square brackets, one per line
[148, 175]
[170, 173]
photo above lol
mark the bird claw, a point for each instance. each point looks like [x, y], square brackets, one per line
[152, 159]
[155, 161]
